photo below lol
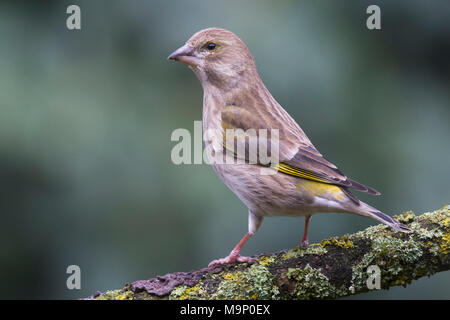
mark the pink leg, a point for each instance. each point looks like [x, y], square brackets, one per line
[304, 242]
[235, 254]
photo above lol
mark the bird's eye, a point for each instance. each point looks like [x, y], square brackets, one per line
[211, 46]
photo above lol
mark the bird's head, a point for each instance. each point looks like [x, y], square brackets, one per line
[218, 57]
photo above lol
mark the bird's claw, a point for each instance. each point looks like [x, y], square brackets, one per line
[231, 259]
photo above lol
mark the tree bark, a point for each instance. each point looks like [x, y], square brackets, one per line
[377, 257]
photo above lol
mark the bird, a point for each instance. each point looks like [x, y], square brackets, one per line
[302, 181]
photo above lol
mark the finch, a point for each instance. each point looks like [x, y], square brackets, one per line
[234, 97]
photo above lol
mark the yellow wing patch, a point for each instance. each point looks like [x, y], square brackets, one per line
[285, 168]
[317, 189]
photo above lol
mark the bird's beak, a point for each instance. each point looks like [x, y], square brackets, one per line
[185, 55]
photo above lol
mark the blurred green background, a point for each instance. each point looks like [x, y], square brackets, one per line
[86, 118]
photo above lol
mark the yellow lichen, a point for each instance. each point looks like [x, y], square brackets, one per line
[445, 245]
[188, 293]
[267, 260]
[446, 222]
[228, 276]
[264, 261]
[116, 295]
[337, 242]
[231, 276]
[128, 295]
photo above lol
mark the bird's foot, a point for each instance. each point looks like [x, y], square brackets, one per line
[304, 243]
[230, 259]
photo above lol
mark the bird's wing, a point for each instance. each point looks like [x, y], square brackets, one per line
[297, 155]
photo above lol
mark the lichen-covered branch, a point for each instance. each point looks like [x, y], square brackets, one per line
[333, 268]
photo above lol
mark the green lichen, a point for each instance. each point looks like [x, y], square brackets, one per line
[255, 282]
[196, 292]
[423, 233]
[438, 218]
[311, 283]
[400, 259]
[267, 260]
[405, 217]
[299, 252]
[429, 227]
[116, 295]
[393, 256]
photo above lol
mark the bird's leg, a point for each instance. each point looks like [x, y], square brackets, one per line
[235, 254]
[304, 242]
[254, 222]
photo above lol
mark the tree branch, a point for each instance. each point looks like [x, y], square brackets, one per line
[336, 267]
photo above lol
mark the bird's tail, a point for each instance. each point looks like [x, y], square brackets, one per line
[368, 211]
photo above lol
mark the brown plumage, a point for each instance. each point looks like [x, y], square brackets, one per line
[304, 182]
